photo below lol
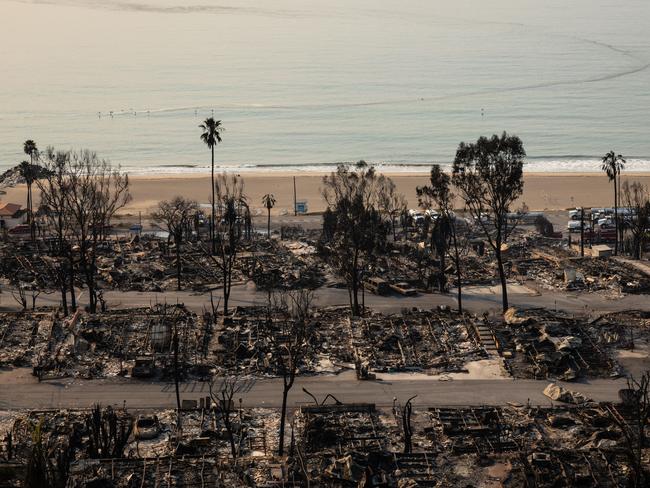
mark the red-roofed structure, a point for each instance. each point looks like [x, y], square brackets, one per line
[11, 215]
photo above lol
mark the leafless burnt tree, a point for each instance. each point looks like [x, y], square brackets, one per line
[176, 215]
[635, 196]
[636, 400]
[230, 203]
[407, 412]
[222, 396]
[94, 192]
[108, 432]
[289, 341]
[53, 189]
[391, 203]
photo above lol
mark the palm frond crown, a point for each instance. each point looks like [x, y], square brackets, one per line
[268, 200]
[612, 164]
[212, 130]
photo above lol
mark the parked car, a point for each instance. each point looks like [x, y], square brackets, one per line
[417, 217]
[376, 285]
[146, 427]
[605, 223]
[144, 367]
[574, 225]
[404, 289]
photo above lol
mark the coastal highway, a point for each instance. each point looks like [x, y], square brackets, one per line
[20, 390]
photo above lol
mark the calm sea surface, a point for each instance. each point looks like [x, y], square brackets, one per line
[305, 83]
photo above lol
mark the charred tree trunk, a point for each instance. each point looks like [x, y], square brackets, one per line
[226, 294]
[176, 379]
[64, 289]
[179, 266]
[355, 284]
[458, 270]
[73, 297]
[442, 281]
[502, 277]
[283, 416]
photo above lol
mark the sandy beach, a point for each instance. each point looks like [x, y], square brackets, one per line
[542, 191]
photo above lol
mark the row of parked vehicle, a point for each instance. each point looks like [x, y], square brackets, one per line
[601, 217]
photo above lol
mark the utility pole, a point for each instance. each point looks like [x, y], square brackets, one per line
[582, 232]
[295, 204]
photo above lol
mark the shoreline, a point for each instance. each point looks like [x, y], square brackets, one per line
[542, 191]
[287, 173]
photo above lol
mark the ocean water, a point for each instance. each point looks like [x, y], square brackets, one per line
[304, 84]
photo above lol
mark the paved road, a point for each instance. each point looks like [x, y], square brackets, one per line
[26, 392]
[475, 299]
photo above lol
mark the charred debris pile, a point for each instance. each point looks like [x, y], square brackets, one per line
[132, 341]
[148, 263]
[557, 268]
[333, 444]
[534, 343]
[416, 340]
[542, 344]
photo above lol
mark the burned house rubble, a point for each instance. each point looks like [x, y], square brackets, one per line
[382, 441]
[560, 269]
[297, 260]
[332, 444]
[543, 344]
[97, 345]
[533, 343]
[148, 263]
[425, 341]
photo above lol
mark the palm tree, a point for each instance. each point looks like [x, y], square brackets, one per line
[31, 150]
[28, 173]
[211, 136]
[268, 201]
[612, 165]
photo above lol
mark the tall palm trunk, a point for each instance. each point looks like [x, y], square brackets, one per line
[268, 223]
[616, 243]
[213, 222]
[29, 210]
[32, 230]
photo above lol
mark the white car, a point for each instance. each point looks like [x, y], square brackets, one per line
[574, 225]
[605, 223]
